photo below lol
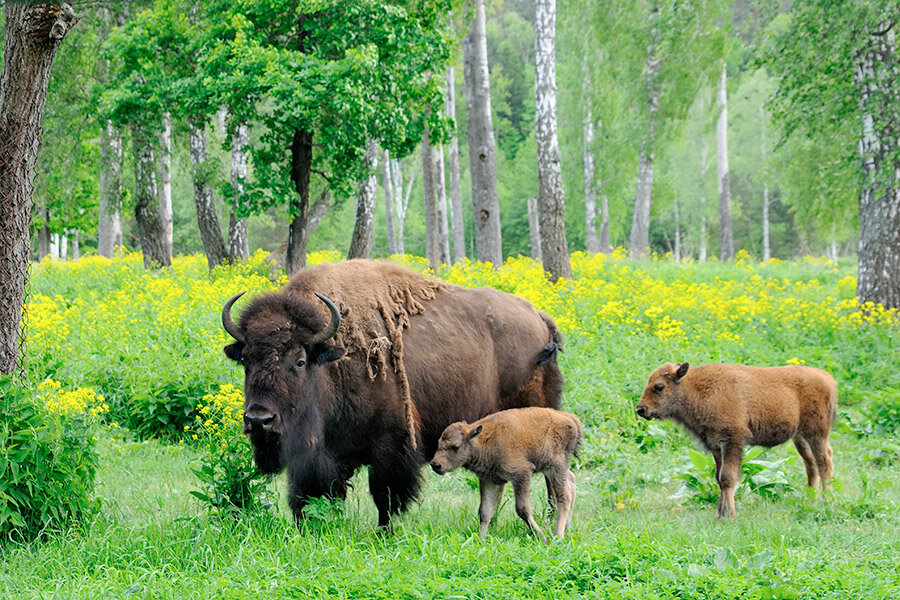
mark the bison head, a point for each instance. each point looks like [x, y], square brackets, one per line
[282, 341]
[662, 389]
[454, 447]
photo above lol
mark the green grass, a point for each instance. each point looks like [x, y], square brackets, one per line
[630, 537]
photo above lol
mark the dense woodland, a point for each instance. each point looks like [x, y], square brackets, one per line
[699, 128]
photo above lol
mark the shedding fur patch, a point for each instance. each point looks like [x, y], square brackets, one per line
[376, 300]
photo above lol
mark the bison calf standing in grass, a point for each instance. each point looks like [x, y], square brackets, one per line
[512, 445]
[728, 407]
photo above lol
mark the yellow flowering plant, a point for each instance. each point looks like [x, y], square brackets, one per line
[229, 481]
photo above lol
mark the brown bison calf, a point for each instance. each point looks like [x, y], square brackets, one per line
[512, 445]
[728, 407]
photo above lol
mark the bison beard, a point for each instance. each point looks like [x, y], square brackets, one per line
[412, 355]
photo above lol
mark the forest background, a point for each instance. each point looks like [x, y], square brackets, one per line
[789, 195]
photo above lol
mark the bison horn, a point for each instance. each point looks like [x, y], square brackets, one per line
[228, 323]
[332, 328]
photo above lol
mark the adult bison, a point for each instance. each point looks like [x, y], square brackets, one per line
[372, 371]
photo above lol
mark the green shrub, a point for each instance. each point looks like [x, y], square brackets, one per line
[47, 457]
[230, 482]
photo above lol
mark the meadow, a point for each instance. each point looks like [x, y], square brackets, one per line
[140, 354]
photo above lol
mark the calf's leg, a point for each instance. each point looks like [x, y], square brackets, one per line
[821, 449]
[809, 461]
[729, 475]
[521, 486]
[490, 498]
[564, 490]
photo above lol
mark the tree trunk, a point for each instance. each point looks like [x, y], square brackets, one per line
[605, 245]
[318, 211]
[591, 241]
[238, 242]
[403, 198]
[76, 245]
[32, 35]
[725, 229]
[361, 243]
[165, 181]
[146, 207]
[482, 151]
[534, 230]
[44, 234]
[704, 166]
[207, 220]
[443, 226]
[109, 226]
[554, 247]
[640, 224]
[677, 231]
[878, 81]
[456, 212]
[432, 250]
[386, 182]
[301, 169]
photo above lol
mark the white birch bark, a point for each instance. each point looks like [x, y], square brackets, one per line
[440, 189]
[165, 183]
[534, 229]
[238, 241]
[482, 150]
[878, 79]
[554, 247]
[640, 224]
[386, 184]
[591, 240]
[432, 244]
[726, 250]
[456, 212]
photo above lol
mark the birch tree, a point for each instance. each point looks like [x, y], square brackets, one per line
[361, 240]
[456, 212]
[482, 149]
[726, 249]
[238, 242]
[165, 182]
[592, 241]
[554, 247]
[387, 186]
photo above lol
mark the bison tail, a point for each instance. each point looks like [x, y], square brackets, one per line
[575, 440]
[547, 353]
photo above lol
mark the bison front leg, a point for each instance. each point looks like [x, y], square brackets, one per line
[394, 482]
[729, 475]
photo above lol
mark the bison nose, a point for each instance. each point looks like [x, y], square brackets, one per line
[642, 411]
[258, 422]
[437, 467]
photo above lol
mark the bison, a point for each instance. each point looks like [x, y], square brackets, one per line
[512, 445]
[728, 407]
[366, 362]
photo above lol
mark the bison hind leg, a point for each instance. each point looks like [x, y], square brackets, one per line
[809, 460]
[395, 480]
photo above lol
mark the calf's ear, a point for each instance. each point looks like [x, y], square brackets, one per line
[475, 431]
[235, 351]
[682, 370]
[326, 353]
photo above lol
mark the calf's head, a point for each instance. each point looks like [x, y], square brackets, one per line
[454, 447]
[663, 388]
[282, 341]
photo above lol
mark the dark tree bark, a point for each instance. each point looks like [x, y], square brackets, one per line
[32, 35]
[238, 242]
[301, 169]
[146, 207]
[44, 235]
[207, 219]
[878, 79]
[361, 242]
[482, 150]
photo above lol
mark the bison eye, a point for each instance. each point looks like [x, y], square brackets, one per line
[658, 387]
[300, 363]
[455, 448]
